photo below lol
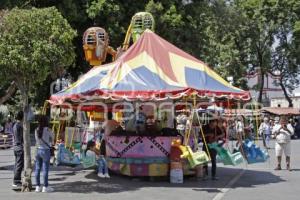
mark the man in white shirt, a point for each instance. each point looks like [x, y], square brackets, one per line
[283, 133]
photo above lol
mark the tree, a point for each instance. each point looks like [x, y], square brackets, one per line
[33, 44]
[258, 29]
[285, 53]
[8, 90]
[227, 49]
[8, 93]
[286, 67]
[198, 27]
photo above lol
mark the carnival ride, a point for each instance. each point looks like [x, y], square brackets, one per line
[151, 70]
[139, 23]
[96, 46]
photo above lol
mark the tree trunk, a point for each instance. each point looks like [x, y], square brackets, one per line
[286, 95]
[261, 86]
[9, 92]
[26, 183]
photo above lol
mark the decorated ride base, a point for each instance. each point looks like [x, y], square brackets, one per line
[140, 155]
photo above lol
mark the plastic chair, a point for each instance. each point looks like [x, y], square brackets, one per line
[66, 157]
[88, 162]
[194, 158]
[253, 153]
[226, 157]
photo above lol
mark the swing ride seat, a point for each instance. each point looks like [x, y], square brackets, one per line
[65, 157]
[88, 162]
[76, 145]
[226, 157]
[253, 153]
[194, 158]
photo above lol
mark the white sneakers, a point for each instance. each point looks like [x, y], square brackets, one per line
[44, 189]
[47, 189]
[100, 175]
[38, 189]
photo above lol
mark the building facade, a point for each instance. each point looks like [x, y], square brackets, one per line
[270, 91]
[282, 102]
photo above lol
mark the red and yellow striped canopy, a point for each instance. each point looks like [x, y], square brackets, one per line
[151, 69]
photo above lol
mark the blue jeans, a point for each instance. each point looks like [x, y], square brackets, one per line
[267, 139]
[42, 160]
[102, 166]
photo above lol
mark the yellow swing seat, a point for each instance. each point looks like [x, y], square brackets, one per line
[194, 158]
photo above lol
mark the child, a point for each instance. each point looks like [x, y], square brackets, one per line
[91, 151]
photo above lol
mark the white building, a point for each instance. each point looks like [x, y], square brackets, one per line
[282, 102]
[270, 89]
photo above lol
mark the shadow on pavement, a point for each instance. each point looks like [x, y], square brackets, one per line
[8, 167]
[295, 170]
[57, 179]
[207, 190]
[119, 183]
[52, 168]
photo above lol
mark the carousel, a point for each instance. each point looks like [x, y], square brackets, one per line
[150, 72]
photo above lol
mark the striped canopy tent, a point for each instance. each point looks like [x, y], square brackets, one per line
[152, 69]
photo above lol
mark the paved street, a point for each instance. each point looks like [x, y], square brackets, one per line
[257, 181]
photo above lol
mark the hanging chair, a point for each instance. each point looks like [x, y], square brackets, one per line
[253, 153]
[88, 161]
[226, 157]
[65, 157]
[194, 158]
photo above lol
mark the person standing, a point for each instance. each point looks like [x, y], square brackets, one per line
[239, 127]
[18, 150]
[272, 124]
[283, 134]
[265, 132]
[140, 121]
[222, 129]
[250, 129]
[8, 129]
[44, 139]
[297, 128]
[212, 134]
[110, 124]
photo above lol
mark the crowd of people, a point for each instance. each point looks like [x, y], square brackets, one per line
[219, 129]
[216, 130]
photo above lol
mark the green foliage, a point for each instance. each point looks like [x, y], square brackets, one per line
[285, 54]
[102, 7]
[34, 43]
[233, 37]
